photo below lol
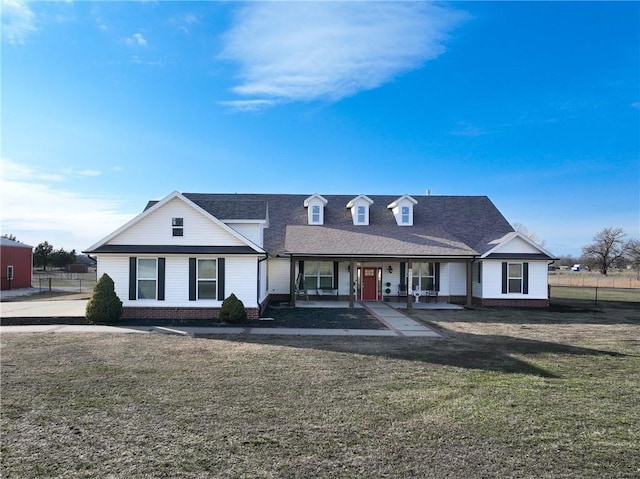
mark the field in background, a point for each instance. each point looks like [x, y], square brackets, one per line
[593, 279]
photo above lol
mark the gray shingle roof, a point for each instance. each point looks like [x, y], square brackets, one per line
[442, 225]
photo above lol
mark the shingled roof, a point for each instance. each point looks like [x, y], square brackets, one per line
[446, 226]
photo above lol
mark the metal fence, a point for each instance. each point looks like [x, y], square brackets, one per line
[595, 294]
[61, 281]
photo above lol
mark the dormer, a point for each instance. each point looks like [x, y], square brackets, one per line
[402, 209]
[359, 207]
[315, 209]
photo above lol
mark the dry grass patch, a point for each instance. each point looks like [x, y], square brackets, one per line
[503, 396]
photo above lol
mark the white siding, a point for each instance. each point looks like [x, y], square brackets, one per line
[240, 278]
[517, 245]
[457, 279]
[156, 229]
[492, 280]
[279, 275]
[251, 231]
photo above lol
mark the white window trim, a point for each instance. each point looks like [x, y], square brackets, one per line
[10, 272]
[317, 274]
[520, 278]
[198, 279]
[154, 279]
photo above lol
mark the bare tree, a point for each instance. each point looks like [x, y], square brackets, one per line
[633, 253]
[524, 231]
[607, 248]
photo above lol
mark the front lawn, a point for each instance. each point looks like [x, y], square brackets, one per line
[526, 394]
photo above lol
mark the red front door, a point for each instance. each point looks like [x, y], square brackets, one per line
[369, 284]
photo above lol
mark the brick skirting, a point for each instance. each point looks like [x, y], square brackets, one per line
[512, 303]
[179, 313]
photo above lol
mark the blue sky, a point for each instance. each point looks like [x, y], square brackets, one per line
[106, 105]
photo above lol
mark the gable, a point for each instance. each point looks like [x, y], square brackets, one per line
[515, 245]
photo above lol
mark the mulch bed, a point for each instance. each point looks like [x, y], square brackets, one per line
[280, 317]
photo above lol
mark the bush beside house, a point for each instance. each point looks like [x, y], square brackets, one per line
[233, 310]
[104, 305]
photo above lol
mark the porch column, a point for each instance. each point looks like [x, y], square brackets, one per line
[469, 282]
[292, 282]
[352, 265]
[409, 284]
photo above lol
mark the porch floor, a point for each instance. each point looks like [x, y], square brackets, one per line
[301, 303]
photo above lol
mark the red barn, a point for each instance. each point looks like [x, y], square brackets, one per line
[16, 260]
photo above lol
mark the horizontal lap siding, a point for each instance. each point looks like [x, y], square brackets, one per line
[156, 229]
[492, 280]
[240, 278]
[279, 273]
[457, 279]
[251, 231]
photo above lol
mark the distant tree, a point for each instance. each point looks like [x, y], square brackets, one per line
[61, 258]
[9, 236]
[633, 254]
[607, 249]
[42, 255]
[524, 231]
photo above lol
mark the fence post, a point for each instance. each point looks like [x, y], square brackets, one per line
[49, 284]
[596, 297]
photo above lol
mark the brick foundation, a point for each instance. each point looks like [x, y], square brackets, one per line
[512, 303]
[179, 313]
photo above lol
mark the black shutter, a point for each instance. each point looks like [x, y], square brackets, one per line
[192, 279]
[403, 276]
[480, 272]
[436, 272]
[504, 278]
[525, 278]
[161, 272]
[220, 279]
[301, 274]
[133, 286]
[335, 275]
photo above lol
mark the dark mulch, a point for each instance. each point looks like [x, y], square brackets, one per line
[279, 317]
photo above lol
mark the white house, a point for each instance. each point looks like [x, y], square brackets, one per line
[184, 254]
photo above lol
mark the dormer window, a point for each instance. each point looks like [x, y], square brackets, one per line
[405, 215]
[315, 214]
[359, 207]
[402, 209]
[315, 209]
[177, 226]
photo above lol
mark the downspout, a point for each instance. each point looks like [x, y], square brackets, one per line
[258, 287]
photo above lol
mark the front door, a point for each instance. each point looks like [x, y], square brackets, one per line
[369, 284]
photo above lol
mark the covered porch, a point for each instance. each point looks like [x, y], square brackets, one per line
[414, 282]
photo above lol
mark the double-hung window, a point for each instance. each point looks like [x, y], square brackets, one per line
[405, 214]
[318, 275]
[514, 277]
[424, 277]
[147, 278]
[177, 225]
[207, 278]
[315, 214]
[361, 214]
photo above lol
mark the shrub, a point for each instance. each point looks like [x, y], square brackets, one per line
[104, 305]
[232, 310]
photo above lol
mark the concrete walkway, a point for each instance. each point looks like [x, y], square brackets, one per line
[398, 323]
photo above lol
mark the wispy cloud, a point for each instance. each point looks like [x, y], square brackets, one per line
[18, 21]
[37, 207]
[636, 105]
[307, 51]
[89, 173]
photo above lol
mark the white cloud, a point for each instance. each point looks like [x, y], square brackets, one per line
[18, 21]
[137, 39]
[89, 173]
[36, 207]
[248, 105]
[306, 51]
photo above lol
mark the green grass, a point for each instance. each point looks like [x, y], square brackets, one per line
[526, 394]
[627, 295]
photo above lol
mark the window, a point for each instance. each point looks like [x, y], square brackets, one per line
[147, 278]
[207, 276]
[178, 226]
[424, 277]
[315, 214]
[405, 214]
[514, 277]
[10, 272]
[318, 274]
[361, 214]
